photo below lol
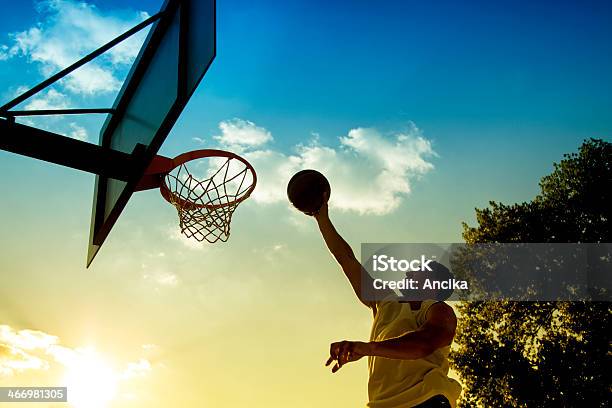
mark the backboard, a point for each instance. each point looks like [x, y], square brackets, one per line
[176, 54]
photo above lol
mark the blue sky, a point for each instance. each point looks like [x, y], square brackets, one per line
[443, 64]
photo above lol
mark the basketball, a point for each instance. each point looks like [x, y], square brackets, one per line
[306, 191]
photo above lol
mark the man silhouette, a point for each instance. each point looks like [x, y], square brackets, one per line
[409, 342]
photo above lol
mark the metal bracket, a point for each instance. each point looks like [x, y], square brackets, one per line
[66, 151]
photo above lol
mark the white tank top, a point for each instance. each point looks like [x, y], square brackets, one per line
[404, 383]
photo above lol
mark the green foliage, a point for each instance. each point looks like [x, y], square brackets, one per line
[542, 354]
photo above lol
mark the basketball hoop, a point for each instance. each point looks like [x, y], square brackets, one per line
[205, 186]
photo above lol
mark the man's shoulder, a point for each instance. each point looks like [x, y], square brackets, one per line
[440, 305]
[441, 313]
[435, 310]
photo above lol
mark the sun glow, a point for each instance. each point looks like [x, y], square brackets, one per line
[91, 381]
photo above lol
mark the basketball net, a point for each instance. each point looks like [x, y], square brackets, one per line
[207, 200]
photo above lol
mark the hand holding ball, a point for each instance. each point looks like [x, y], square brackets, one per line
[306, 191]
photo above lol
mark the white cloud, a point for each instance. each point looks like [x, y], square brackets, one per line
[4, 53]
[274, 169]
[14, 360]
[242, 133]
[162, 278]
[51, 99]
[150, 347]
[22, 350]
[26, 339]
[176, 235]
[370, 173]
[272, 253]
[136, 369]
[77, 132]
[70, 30]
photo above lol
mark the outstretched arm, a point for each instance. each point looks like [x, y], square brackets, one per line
[342, 251]
[438, 331]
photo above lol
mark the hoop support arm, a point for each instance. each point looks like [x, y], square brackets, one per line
[65, 151]
[154, 174]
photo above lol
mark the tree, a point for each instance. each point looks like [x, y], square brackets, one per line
[542, 354]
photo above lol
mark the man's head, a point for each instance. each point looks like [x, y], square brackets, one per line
[438, 273]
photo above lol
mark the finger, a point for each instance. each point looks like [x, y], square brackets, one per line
[329, 361]
[334, 349]
[336, 367]
[344, 353]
